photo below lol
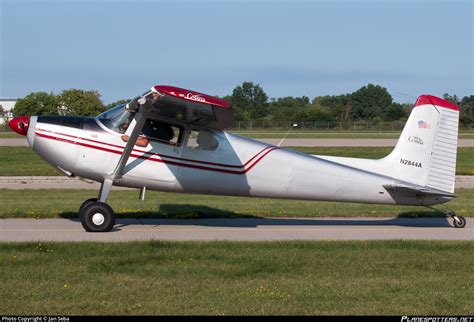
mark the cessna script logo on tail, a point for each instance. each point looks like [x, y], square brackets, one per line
[415, 139]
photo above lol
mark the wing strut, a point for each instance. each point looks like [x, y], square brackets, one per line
[140, 117]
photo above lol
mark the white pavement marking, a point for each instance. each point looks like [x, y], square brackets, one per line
[239, 229]
[63, 182]
[464, 182]
[296, 142]
[13, 142]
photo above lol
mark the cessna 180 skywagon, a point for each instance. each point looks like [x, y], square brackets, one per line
[173, 139]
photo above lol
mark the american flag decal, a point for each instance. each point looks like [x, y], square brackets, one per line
[423, 125]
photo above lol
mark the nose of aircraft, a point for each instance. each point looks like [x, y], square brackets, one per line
[20, 124]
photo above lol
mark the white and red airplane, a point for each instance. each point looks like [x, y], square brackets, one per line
[172, 139]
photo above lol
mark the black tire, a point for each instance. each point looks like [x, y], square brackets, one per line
[86, 203]
[459, 222]
[97, 217]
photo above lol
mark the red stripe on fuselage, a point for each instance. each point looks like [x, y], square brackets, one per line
[161, 155]
[268, 150]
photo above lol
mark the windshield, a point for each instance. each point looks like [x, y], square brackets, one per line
[117, 118]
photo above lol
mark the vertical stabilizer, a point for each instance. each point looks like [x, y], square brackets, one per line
[426, 152]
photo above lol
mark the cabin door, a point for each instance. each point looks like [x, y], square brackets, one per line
[159, 160]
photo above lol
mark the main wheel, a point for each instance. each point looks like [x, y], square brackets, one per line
[86, 203]
[97, 217]
[459, 222]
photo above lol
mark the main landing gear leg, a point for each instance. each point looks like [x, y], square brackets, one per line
[458, 221]
[95, 214]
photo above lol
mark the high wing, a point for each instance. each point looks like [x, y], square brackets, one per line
[178, 104]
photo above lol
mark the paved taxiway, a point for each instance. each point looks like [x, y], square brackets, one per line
[239, 229]
[293, 142]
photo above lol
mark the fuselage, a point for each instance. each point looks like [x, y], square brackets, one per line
[235, 166]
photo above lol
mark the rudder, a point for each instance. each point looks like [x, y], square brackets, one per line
[426, 152]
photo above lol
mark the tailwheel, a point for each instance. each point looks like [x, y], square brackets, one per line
[459, 222]
[97, 217]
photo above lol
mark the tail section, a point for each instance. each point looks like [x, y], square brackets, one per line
[426, 151]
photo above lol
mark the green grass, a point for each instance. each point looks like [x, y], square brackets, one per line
[278, 134]
[65, 203]
[238, 278]
[22, 161]
[10, 135]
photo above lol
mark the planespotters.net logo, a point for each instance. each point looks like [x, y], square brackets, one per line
[437, 319]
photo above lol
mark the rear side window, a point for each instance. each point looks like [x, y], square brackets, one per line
[202, 140]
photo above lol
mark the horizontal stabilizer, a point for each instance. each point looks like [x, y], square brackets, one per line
[418, 191]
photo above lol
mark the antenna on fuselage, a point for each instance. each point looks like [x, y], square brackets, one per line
[291, 128]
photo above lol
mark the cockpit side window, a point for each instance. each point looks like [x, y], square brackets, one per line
[163, 132]
[117, 118]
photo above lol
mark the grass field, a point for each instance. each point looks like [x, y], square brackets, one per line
[238, 278]
[65, 203]
[10, 135]
[22, 161]
[278, 134]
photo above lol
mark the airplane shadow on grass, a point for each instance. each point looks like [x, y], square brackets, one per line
[197, 215]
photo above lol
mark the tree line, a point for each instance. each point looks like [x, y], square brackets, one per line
[251, 103]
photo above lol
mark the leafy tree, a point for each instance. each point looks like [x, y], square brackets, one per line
[467, 109]
[338, 106]
[80, 102]
[241, 115]
[37, 103]
[283, 114]
[284, 108]
[2, 111]
[251, 98]
[466, 105]
[290, 101]
[311, 114]
[370, 101]
[119, 102]
[394, 112]
[453, 99]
